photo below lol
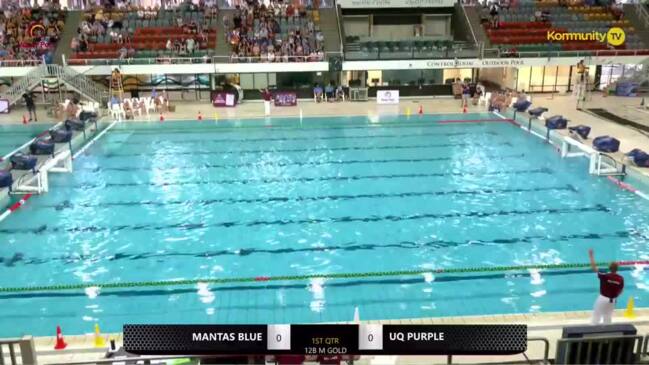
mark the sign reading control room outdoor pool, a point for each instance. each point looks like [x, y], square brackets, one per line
[396, 3]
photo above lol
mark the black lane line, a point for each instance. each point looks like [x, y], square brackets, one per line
[303, 129]
[315, 149]
[315, 138]
[283, 222]
[293, 163]
[19, 258]
[336, 283]
[309, 179]
[206, 202]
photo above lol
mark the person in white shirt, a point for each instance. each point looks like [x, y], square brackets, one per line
[190, 45]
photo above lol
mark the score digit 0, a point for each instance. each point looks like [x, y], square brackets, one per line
[279, 337]
[370, 337]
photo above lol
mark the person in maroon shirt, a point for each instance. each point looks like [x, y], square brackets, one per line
[267, 96]
[610, 287]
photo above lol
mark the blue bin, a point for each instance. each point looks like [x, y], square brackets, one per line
[556, 122]
[61, 136]
[5, 179]
[582, 130]
[21, 161]
[536, 112]
[606, 144]
[75, 124]
[639, 157]
[41, 147]
[522, 105]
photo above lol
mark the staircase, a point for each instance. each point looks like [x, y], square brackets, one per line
[72, 79]
[25, 84]
[223, 49]
[330, 29]
[473, 16]
[79, 83]
[72, 21]
[638, 15]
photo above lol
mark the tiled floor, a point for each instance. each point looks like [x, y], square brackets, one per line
[544, 325]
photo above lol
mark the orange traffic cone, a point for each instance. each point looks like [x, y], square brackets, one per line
[200, 116]
[24, 119]
[421, 109]
[60, 342]
[162, 118]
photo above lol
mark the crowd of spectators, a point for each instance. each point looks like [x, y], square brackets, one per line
[274, 31]
[30, 34]
[122, 24]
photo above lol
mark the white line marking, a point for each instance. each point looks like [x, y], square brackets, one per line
[85, 147]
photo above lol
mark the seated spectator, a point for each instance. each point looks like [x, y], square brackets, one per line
[317, 93]
[521, 95]
[617, 9]
[329, 91]
[493, 12]
[340, 93]
[190, 45]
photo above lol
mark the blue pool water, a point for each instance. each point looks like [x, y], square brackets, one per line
[13, 136]
[165, 201]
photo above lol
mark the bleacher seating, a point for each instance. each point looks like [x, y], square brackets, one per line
[356, 49]
[520, 29]
[149, 37]
[29, 34]
[275, 32]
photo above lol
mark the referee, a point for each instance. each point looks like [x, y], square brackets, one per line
[31, 106]
[610, 287]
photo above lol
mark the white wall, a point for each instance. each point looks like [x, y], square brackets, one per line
[357, 25]
[503, 76]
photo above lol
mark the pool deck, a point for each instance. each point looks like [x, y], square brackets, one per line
[545, 325]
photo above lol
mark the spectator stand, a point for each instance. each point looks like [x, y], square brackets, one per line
[29, 36]
[278, 32]
[146, 34]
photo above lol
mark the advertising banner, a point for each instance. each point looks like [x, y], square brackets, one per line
[285, 98]
[387, 96]
[221, 99]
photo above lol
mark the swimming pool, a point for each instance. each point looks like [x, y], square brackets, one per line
[184, 200]
[13, 136]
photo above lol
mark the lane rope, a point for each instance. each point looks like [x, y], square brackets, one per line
[628, 187]
[257, 279]
[15, 206]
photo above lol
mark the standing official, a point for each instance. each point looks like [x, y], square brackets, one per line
[610, 287]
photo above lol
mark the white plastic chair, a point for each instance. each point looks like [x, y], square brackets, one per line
[484, 99]
[150, 105]
[514, 100]
[117, 112]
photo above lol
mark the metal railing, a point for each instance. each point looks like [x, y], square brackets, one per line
[340, 28]
[191, 60]
[466, 17]
[26, 83]
[499, 53]
[79, 82]
[25, 345]
[415, 53]
[599, 350]
[642, 12]
[20, 63]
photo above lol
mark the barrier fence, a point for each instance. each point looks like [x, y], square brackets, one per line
[356, 275]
